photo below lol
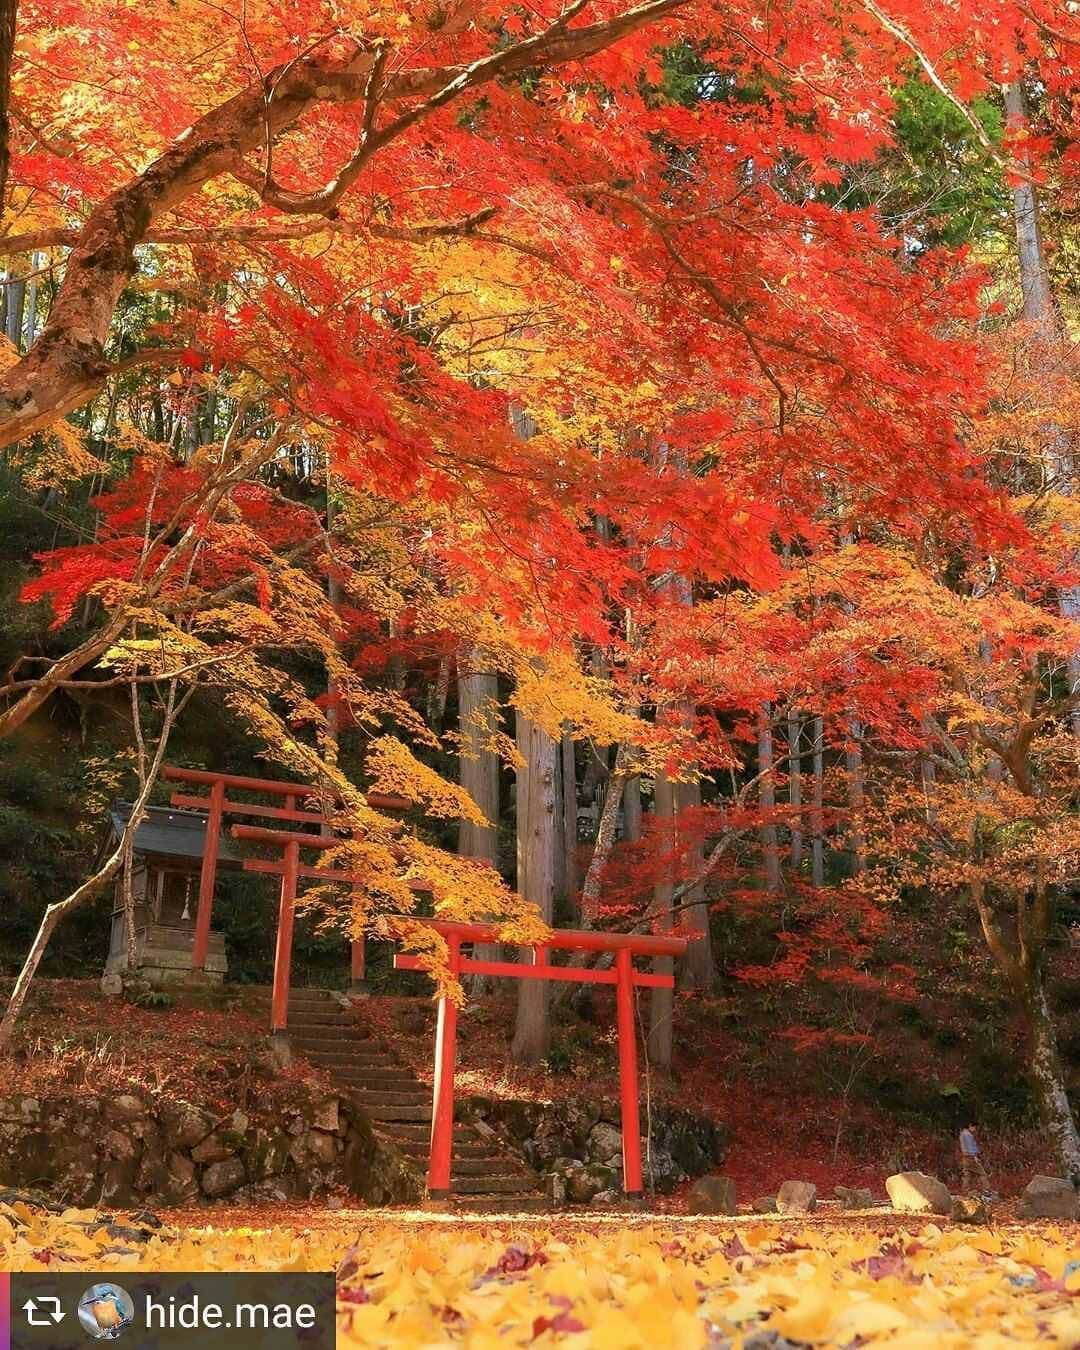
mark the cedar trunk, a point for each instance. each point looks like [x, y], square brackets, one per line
[1048, 1078]
[536, 846]
[478, 693]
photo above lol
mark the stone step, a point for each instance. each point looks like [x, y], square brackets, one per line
[336, 1021]
[326, 1038]
[502, 1183]
[395, 1114]
[464, 1150]
[374, 1097]
[380, 1094]
[489, 1165]
[379, 1080]
[493, 1204]
[341, 1052]
[403, 1133]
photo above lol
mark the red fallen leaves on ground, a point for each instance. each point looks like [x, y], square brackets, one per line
[514, 1260]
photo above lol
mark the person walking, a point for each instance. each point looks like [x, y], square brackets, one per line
[971, 1163]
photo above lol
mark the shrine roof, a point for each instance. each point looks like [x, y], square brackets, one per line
[166, 832]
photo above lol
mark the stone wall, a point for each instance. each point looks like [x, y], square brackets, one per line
[131, 1150]
[577, 1144]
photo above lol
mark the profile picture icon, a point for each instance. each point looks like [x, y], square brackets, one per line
[105, 1310]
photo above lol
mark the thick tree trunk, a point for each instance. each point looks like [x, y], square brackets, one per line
[697, 965]
[632, 810]
[1040, 306]
[15, 296]
[817, 806]
[661, 1002]
[568, 798]
[8, 14]
[770, 848]
[605, 841]
[1042, 310]
[536, 846]
[478, 695]
[856, 785]
[1048, 1080]
[794, 737]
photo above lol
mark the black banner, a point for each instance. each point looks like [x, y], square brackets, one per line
[144, 1310]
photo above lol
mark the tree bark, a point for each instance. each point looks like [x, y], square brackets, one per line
[661, 1002]
[856, 785]
[1048, 1079]
[15, 296]
[697, 965]
[1041, 309]
[632, 810]
[536, 846]
[9, 10]
[1040, 304]
[568, 797]
[770, 847]
[478, 695]
[817, 808]
[794, 737]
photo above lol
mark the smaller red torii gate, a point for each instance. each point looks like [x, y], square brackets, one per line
[217, 806]
[622, 946]
[290, 869]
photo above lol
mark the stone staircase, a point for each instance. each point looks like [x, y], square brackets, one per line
[485, 1174]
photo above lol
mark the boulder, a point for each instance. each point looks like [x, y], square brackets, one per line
[220, 1178]
[1049, 1198]
[796, 1197]
[712, 1195]
[326, 1116]
[182, 1174]
[605, 1144]
[764, 1204]
[266, 1153]
[969, 1209]
[184, 1126]
[608, 1197]
[320, 1146]
[917, 1193]
[212, 1150]
[117, 1184]
[20, 1110]
[124, 1107]
[585, 1181]
[854, 1197]
[542, 1151]
[662, 1172]
[118, 1145]
[152, 1176]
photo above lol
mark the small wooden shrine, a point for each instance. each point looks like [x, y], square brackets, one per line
[168, 852]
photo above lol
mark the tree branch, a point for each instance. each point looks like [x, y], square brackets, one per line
[66, 366]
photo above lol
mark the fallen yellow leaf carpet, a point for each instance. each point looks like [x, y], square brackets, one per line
[614, 1282]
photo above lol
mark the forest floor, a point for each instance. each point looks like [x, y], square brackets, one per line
[609, 1282]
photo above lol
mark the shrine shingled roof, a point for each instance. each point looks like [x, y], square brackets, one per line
[168, 833]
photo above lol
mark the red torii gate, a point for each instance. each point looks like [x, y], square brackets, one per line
[290, 870]
[217, 806]
[623, 946]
